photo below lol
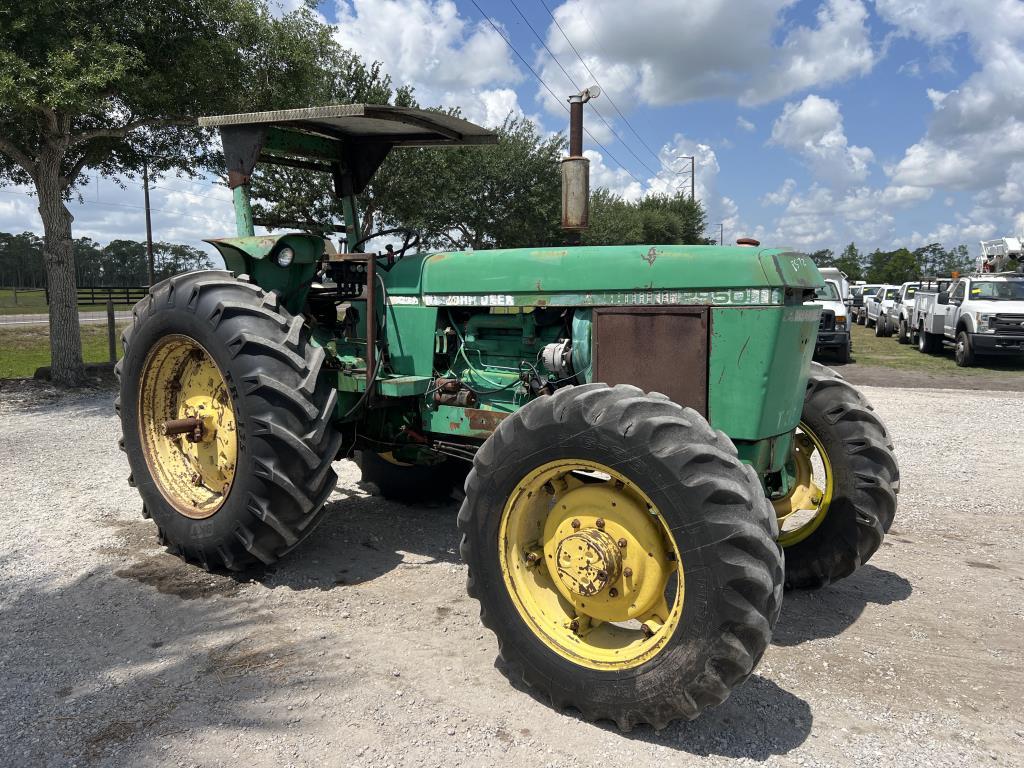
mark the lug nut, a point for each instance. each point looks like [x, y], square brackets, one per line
[621, 543]
[532, 558]
[627, 571]
[613, 592]
[574, 625]
[600, 522]
[575, 524]
[648, 632]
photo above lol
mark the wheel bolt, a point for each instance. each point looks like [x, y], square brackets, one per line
[627, 571]
[532, 557]
[600, 522]
[574, 625]
[648, 632]
[602, 574]
[575, 524]
[613, 592]
[621, 543]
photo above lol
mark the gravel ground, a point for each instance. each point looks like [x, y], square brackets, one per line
[363, 649]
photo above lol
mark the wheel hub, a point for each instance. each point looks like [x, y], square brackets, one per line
[588, 561]
[591, 565]
[807, 501]
[187, 426]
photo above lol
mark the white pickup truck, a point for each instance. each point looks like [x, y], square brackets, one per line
[877, 308]
[982, 314]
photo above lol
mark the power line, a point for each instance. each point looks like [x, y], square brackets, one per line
[577, 87]
[598, 82]
[548, 89]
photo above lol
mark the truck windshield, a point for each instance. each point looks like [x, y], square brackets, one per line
[911, 290]
[890, 293]
[828, 293]
[998, 290]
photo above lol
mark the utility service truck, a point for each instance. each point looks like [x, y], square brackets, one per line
[639, 430]
[979, 315]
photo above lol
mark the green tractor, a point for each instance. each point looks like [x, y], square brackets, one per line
[639, 430]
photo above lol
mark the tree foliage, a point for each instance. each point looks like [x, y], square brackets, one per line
[505, 195]
[899, 265]
[654, 219]
[105, 83]
[119, 263]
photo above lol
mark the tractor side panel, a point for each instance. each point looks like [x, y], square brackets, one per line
[760, 360]
[659, 349]
[410, 336]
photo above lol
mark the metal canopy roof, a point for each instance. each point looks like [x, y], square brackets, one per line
[379, 124]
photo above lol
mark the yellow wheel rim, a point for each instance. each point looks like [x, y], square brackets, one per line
[193, 470]
[591, 565]
[803, 509]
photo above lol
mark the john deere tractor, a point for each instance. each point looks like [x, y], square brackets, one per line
[639, 430]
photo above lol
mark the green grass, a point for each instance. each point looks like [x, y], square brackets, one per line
[23, 348]
[34, 303]
[869, 350]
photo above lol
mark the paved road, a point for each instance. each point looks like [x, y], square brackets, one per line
[361, 647]
[86, 318]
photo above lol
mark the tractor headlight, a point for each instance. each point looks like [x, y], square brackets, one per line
[285, 256]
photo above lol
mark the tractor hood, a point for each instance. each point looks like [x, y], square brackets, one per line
[603, 275]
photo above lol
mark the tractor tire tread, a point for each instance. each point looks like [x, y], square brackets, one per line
[704, 460]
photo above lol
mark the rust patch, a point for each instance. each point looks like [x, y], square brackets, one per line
[484, 421]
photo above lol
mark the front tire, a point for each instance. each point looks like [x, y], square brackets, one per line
[616, 462]
[255, 484]
[412, 483]
[964, 352]
[832, 524]
[903, 334]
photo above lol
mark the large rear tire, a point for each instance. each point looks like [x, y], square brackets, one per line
[832, 524]
[633, 477]
[255, 481]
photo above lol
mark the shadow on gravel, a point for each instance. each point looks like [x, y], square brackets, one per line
[360, 539]
[830, 611]
[100, 671]
[758, 720]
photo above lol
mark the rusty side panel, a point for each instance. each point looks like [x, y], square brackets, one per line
[484, 421]
[659, 349]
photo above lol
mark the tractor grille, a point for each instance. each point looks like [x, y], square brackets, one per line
[827, 321]
[1007, 324]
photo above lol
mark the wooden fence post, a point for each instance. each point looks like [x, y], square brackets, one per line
[111, 345]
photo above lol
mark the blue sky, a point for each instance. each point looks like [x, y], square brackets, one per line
[814, 122]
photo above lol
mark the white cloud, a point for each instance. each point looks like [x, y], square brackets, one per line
[976, 131]
[782, 195]
[183, 211]
[745, 124]
[428, 44]
[617, 180]
[813, 128]
[659, 53]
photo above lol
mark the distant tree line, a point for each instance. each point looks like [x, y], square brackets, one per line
[898, 266]
[118, 263]
[670, 219]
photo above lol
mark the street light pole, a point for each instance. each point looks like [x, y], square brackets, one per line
[149, 221]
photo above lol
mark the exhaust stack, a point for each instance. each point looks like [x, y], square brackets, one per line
[576, 170]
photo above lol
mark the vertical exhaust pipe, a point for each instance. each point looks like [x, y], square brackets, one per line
[576, 171]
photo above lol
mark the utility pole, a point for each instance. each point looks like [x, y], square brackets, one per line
[149, 220]
[721, 233]
[693, 174]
